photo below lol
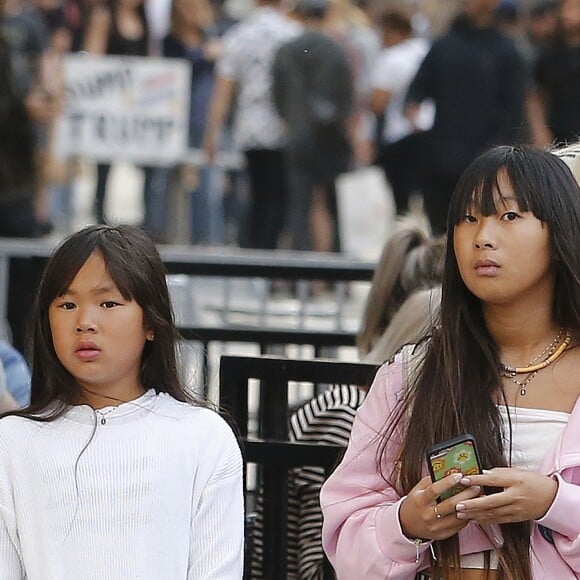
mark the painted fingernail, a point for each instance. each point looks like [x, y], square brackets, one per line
[460, 506]
[485, 471]
[476, 488]
[461, 516]
[457, 478]
[465, 481]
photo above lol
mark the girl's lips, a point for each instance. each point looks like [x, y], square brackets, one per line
[487, 268]
[87, 353]
[487, 271]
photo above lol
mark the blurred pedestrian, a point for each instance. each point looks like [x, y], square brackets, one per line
[350, 24]
[193, 38]
[476, 79]
[16, 373]
[22, 108]
[399, 141]
[542, 23]
[558, 80]
[120, 28]
[244, 83]
[314, 94]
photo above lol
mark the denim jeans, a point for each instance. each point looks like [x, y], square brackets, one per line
[207, 207]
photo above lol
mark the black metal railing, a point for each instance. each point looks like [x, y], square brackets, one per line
[220, 262]
[268, 446]
[264, 339]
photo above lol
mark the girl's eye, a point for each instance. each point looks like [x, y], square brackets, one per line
[66, 305]
[510, 216]
[110, 304]
[469, 219]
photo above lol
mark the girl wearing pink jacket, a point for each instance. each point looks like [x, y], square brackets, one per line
[502, 365]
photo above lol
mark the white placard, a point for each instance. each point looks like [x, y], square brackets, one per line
[133, 109]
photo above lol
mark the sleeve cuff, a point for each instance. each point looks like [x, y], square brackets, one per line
[391, 539]
[560, 515]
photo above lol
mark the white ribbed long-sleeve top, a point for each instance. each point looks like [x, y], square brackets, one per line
[155, 493]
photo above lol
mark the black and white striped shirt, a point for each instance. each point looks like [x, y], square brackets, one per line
[326, 419]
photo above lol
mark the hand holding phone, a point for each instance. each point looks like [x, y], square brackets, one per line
[419, 517]
[458, 455]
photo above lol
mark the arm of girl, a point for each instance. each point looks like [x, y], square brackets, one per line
[362, 532]
[217, 523]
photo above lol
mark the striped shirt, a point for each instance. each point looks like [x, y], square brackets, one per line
[327, 419]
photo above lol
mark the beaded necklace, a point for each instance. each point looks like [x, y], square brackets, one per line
[553, 351]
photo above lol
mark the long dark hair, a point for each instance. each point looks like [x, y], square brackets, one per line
[452, 390]
[135, 266]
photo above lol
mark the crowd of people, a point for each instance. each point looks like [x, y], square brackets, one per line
[331, 86]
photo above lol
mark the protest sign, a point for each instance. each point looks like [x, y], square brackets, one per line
[133, 109]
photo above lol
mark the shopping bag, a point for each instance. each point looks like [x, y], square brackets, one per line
[366, 211]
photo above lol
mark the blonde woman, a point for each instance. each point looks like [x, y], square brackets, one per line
[570, 154]
[410, 260]
[413, 321]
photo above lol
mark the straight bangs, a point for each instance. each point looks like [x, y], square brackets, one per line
[128, 261]
[135, 267]
[120, 262]
[64, 265]
[530, 177]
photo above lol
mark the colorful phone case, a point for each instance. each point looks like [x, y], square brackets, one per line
[457, 455]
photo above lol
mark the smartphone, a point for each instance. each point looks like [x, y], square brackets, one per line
[458, 455]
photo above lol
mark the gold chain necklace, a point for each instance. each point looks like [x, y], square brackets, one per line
[523, 385]
[550, 348]
[554, 352]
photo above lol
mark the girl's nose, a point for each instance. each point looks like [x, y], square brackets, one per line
[86, 327]
[485, 238]
[86, 322]
[484, 244]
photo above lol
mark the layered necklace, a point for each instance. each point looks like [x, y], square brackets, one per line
[550, 354]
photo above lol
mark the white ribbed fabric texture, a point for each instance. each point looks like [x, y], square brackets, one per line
[156, 495]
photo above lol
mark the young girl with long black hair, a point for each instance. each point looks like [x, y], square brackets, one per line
[114, 471]
[504, 366]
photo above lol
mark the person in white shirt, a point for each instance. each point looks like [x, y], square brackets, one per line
[244, 83]
[399, 140]
[114, 470]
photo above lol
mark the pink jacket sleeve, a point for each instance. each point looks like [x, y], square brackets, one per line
[361, 533]
[563, 518]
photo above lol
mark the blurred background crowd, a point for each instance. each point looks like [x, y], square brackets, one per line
[302, 91]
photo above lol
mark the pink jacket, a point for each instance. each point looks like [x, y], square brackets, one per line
[362, 534]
